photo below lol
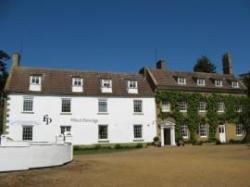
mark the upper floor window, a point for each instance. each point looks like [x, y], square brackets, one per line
[181, 80]
[132, 87]
[106, 85]
[165, 106]
[218, 83]
[202, 106]
[77, 84]
[137, 106]
[102, 105]
[35, 83]
[66, 105]
[238, 108]
[239, 129]
[221, 107]
[201, 82]
[235, 84]
[203, 130]
[27, 104]
[182, 106]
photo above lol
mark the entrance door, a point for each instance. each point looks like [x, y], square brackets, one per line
[222, 133]
[167, 140]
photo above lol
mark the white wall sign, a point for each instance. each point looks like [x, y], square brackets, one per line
[80, 120]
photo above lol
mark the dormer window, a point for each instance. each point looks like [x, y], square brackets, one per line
[132, 87]
[106, 85]
[235, 84]
[181, 80]
[35, 83]
[77, 84]
[218, 83]
[201, 82]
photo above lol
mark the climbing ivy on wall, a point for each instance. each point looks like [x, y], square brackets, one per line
[192, 117]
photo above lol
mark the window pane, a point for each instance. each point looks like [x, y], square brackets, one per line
[137, 105]
[184, 130]
[137, 131]
[28, 104]
[103, 106]
[203, 130]
[103, 132]
[66, 106]
[27, 133]
[65, 128]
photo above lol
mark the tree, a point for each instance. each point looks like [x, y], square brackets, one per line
[245, 120]
[3, 77]
[204, 65]
[246, 81]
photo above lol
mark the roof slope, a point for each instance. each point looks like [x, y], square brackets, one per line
[168, 79]
[59, 82]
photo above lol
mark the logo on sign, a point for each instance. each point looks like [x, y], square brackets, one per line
[47, 119]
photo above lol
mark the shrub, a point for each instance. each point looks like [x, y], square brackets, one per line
[139, 145]
[97, 146]
[118, 146]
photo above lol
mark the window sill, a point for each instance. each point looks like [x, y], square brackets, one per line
[102, 113]
[183, 111]
[202, 111]
[138, 113]
[24, 112]
[138, 140]
[203, 136]
[239, 135]
[65, 113]
[103, 141]
[220, 111]
[166, 111]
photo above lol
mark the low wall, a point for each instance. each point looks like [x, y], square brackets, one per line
[23, 155]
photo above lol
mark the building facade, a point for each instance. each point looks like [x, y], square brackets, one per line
[178, 117]
[95, 107]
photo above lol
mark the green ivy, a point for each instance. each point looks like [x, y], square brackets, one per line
[192, 117]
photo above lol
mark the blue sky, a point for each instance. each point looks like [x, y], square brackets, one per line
[123, 35]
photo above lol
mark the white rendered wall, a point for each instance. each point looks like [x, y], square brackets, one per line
[84, 112]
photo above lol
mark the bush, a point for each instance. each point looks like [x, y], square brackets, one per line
[156, 139]
[118, 146]
[218, 142]
[139, 145]
[97, 146]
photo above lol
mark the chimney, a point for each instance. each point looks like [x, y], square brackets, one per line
[16, 58]
[160, 64]
[227, 63]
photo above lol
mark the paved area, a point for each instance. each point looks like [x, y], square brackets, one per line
[206, 165]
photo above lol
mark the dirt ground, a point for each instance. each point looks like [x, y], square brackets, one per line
[207, 165]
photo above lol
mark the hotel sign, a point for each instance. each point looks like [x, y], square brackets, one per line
[84, 120]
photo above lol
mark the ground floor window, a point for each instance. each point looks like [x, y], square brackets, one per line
[103, 132]
[184, 131]
[65, 129]
[27, 132]
[239, 129]
[137, 131]
[203, 131]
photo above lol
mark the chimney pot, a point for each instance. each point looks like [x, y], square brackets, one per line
[16, 58]
[227, 63]
[161, 64]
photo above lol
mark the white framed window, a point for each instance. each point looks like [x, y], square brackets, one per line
[239, 129]
[35, 83]
[64, 129]
[137, 131]
[182, 106]
[202, 106]
[235, 84]
[221, 107]
[203, 130]
[218, 83]
[181, 80]
[28, 104]
[137, 106]
[201, 82]
[238, 108]
[184, 131]
[35, 79]
[27, 133]
[102, 106]
[66, 105]
[76, 81]
[132, 87]
[102, 132]
[106, 83]
[165, 106]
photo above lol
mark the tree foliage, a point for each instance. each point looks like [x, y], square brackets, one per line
[3, 71]
[204, 65]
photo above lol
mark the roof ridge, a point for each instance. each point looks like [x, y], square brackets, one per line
[79, 71]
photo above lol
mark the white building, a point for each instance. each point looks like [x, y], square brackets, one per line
[95, 107]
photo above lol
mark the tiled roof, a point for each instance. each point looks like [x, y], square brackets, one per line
[59, 82]
[168, 79]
